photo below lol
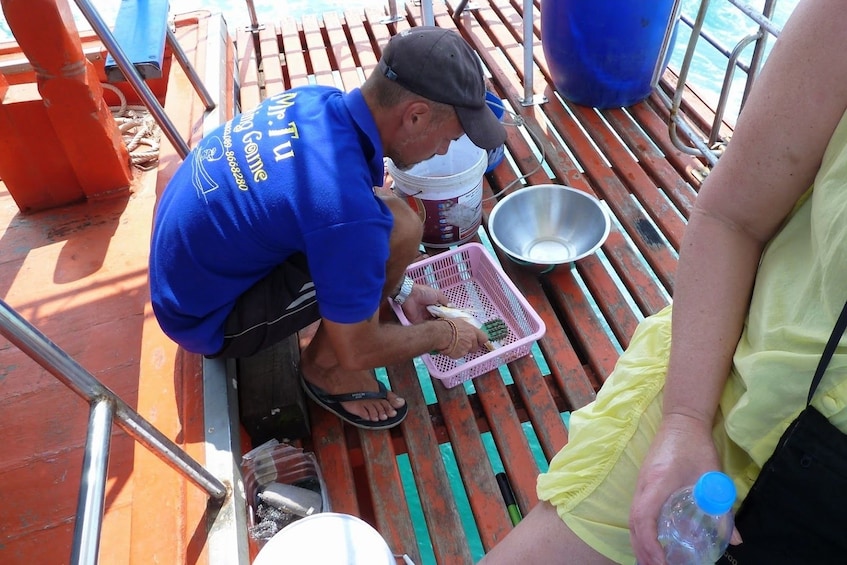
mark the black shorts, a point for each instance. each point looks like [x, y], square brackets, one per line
[271, 310]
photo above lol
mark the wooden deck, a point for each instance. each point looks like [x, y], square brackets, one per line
[437, 467]
[79, 274]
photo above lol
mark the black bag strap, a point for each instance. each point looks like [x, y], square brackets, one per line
[837, 332]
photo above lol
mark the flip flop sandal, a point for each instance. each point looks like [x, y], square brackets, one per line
[332, 403]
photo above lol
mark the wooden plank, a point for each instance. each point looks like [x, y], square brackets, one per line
[333, 457]
[381, 32]
[270, 55]
[626, 173]
[389, 500]
[250, 91]
[587, 329]
[440, 511]
[628, 264]
[559, 353]
[608, 297]
[540, 405]
[296, 73]
[363, 49]
[329, 443]
[509, 437]
[606, 185]
[321, 67]
[341, 55]
[489, 512]
[653, 161]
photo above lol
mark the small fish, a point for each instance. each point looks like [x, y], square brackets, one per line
[441, 311]
[496, 329]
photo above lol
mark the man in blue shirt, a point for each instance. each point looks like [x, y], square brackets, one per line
[273, 222]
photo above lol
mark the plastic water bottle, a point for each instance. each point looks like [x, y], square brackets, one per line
[696, 522]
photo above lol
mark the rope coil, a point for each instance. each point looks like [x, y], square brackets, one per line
[139, 131]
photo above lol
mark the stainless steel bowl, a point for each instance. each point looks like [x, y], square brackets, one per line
[548, 224]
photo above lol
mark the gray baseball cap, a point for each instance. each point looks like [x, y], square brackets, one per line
[439, 65]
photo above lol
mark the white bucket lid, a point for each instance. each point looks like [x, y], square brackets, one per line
[327, 538]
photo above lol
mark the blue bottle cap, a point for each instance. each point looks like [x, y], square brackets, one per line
[714, 493]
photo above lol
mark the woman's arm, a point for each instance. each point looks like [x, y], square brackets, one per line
[770, 162]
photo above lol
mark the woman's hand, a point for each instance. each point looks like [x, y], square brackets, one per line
[682, 450]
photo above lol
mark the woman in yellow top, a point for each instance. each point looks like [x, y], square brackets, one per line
[762, 277]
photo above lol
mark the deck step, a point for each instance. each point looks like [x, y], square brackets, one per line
[271, 402]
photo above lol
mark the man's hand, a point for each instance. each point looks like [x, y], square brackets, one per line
[422, 296]
[468, 338]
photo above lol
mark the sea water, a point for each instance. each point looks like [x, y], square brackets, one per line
[727, 25]
[723, 22]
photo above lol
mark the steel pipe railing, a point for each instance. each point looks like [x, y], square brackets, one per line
[188, 69]
[37, 346]
[92, 491]
[133, 76]
[393, 16]
[529, 97]
[676, 122]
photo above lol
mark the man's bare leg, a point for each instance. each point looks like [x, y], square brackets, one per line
[320, 367]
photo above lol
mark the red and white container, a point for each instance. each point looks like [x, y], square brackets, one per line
[446, 191]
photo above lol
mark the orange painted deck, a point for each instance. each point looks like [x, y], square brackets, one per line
[79, 274]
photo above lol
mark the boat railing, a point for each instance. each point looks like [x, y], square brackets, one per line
[134, 77]
[709, 147]
[106, 408]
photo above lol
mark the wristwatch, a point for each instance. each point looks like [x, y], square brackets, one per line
[405, 290]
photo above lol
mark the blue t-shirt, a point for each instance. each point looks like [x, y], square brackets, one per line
[295, 174]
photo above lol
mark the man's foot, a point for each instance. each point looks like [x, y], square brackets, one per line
[357, 398]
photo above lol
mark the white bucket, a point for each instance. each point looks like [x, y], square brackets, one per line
[446, 191]
[328, 538]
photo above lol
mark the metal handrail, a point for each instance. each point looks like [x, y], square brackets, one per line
[134, 77]
[106, 406]
[676, 122]
[529, 96]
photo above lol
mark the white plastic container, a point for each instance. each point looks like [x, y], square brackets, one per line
[328, 538]
[446, 191]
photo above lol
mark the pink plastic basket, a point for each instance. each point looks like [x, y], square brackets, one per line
[468, 276]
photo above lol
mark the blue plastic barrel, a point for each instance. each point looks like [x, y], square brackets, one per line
[604, 53]
[495, 156]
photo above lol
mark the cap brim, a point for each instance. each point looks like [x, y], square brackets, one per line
[482, 126]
